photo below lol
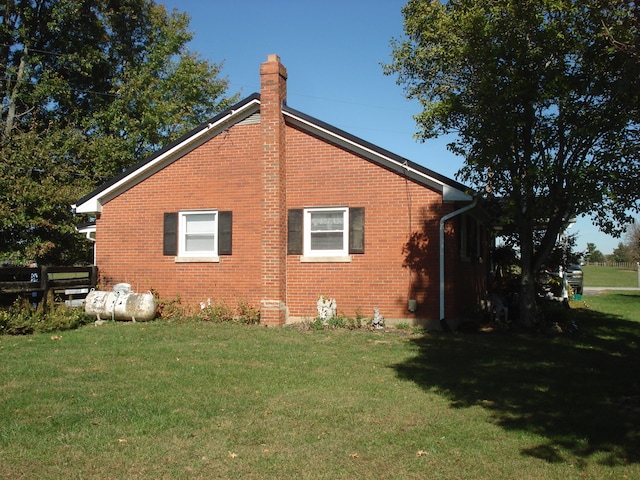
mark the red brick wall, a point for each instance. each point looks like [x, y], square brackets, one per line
[222, 174]
[319, 174]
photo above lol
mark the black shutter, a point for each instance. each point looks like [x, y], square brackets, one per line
[170, 237]
[356, 230]
[224, 233]
[294, 232]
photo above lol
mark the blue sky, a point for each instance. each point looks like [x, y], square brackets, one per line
[333, 51]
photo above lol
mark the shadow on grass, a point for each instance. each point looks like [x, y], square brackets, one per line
[581, 393]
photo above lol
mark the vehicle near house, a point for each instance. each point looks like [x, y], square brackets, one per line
[575, 278]
[269, 205]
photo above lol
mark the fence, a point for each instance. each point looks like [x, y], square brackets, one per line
[70, 284]
[621, 265]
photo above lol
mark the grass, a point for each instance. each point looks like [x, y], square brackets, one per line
[195, 400]
[597, 276]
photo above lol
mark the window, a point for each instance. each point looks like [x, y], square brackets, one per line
[326, 232]
[470, 238]
[197, 235]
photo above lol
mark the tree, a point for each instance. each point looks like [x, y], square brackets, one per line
[621, 254]
[593, 254]
[90, 87]
[539, 101]
[632, 237]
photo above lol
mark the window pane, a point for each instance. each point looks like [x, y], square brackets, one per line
[201, 223]
[323, 221]
[199, 243]
[327, 241]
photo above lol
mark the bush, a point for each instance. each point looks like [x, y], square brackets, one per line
[214, 312]
[21, 318]
[339, 321]
[247, 313]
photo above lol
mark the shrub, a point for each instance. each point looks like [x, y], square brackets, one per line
[317, 324]
[247, 313]
[215, 312]
[353, 323]
[21, 318]
[336, 322]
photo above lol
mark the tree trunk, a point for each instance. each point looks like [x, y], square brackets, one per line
[527, 299]
[527, 294]
[11, 111]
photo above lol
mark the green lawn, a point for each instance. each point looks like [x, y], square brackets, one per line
[597, 276]
[163, 400]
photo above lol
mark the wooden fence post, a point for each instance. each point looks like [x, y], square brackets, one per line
[44, 285]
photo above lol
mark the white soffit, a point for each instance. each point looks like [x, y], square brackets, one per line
[450, 194]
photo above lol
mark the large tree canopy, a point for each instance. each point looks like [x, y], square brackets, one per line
[89, 87]
[543, 96]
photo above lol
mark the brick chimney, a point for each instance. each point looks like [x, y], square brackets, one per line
[273, 94]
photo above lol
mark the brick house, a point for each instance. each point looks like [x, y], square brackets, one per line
[267, 204]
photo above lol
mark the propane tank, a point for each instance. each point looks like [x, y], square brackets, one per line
[120, 304]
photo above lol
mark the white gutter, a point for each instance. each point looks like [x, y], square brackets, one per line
[442, 220]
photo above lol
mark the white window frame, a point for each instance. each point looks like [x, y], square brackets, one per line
[182, 236]
[338, 253]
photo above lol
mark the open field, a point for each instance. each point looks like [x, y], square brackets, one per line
[597, 276]
[162, 400]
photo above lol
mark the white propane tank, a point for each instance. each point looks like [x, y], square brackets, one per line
[121, 304]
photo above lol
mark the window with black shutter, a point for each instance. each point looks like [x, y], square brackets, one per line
[200, 235]
[224, 233]
[170, 237]
[325, 233]
[356, 230]
[294, 231]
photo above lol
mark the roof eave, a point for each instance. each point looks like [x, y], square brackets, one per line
[450, 194]
[450, 189]
[93, 202]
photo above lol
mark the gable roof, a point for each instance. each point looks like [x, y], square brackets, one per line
[241, 111]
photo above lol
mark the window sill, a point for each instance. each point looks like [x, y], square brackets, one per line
[342, 259]
[197, 259]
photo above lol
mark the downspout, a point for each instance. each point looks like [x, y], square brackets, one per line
[442, 220]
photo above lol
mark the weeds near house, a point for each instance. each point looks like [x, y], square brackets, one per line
[247, 313]
[214, 311]
[22, 318]
[338, 321]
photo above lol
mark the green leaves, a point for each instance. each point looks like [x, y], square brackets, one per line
[533, 91]
[92, 87]
[543, 97]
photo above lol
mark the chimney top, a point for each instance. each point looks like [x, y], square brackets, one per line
[273, 80]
